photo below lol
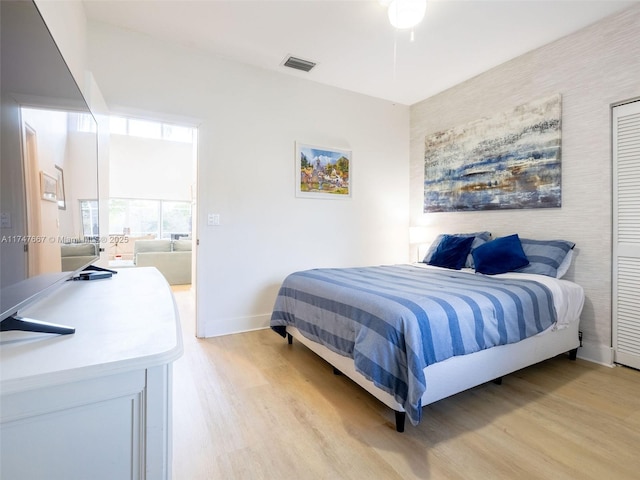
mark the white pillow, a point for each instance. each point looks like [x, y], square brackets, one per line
[565, 264]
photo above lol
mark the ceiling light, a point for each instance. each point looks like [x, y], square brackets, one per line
[406, 13]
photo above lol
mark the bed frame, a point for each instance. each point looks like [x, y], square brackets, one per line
[460, 373]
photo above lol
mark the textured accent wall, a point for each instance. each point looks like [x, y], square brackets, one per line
[592, 69]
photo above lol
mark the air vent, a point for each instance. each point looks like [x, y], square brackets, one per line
[299, 64]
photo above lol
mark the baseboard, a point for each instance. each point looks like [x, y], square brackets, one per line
[228, 326]
[596, 353]
[591, 352]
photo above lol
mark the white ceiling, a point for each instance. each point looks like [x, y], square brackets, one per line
[352, 41]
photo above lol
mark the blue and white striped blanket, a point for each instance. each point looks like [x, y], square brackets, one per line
[396, 320]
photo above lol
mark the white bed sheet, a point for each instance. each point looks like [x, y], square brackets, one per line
[568, 297]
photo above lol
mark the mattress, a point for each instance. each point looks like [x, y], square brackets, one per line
[396, 320]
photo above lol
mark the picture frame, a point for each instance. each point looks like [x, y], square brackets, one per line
[62, 204]
[510, 160]
[48, 187]
[323, 172]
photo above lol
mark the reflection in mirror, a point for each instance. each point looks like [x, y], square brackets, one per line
[56, 146]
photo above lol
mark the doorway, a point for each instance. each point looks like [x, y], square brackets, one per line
[32, 197]
[152, 197]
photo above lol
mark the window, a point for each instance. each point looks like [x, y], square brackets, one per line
[176, 133]
[176, 219]
[139, 217]
[144, 128]
[86, 123]
[150, 129]
[118, 125]
[89, 212]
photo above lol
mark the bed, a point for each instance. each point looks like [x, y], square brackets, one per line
[417, 333]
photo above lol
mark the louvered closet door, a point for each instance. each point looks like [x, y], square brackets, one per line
[626, 234]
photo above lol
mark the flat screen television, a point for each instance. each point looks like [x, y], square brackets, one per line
[49, 228]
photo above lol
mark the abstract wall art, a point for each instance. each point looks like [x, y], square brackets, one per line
[510, 160]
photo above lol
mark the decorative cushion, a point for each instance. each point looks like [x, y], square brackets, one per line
[477, 241]
[480, 238]
[546, 256]
[152, 246]
[77, 249]
[564, 266]
[504, 254]
[182, 245]
[451, 252]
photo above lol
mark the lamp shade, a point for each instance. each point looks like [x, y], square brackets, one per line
[406, 13]
[418, 234]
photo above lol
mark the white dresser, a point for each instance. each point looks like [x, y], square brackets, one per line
[95, 404]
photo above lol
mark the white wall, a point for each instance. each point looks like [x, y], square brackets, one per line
[67, 23]
[592, 69]
[52, 136]
[79, 179]
[248, 122]
[59, 144]
[150, 168]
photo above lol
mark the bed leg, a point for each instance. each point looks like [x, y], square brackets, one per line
[289, 339]
[497, 381]
[573, 354]
[400, 417]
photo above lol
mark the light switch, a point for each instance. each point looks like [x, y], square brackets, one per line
[213, 219]
[5, 220]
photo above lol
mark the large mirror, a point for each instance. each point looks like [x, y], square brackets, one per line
[49, 167]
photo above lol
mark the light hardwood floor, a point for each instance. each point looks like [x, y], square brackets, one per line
[250, 406]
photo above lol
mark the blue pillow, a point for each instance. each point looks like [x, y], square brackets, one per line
[451, 252]
[480, 238]
[545, 256]
[501, 255]
[477, 241]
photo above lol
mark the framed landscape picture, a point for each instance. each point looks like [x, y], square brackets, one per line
[48, 187]
[322, 172]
